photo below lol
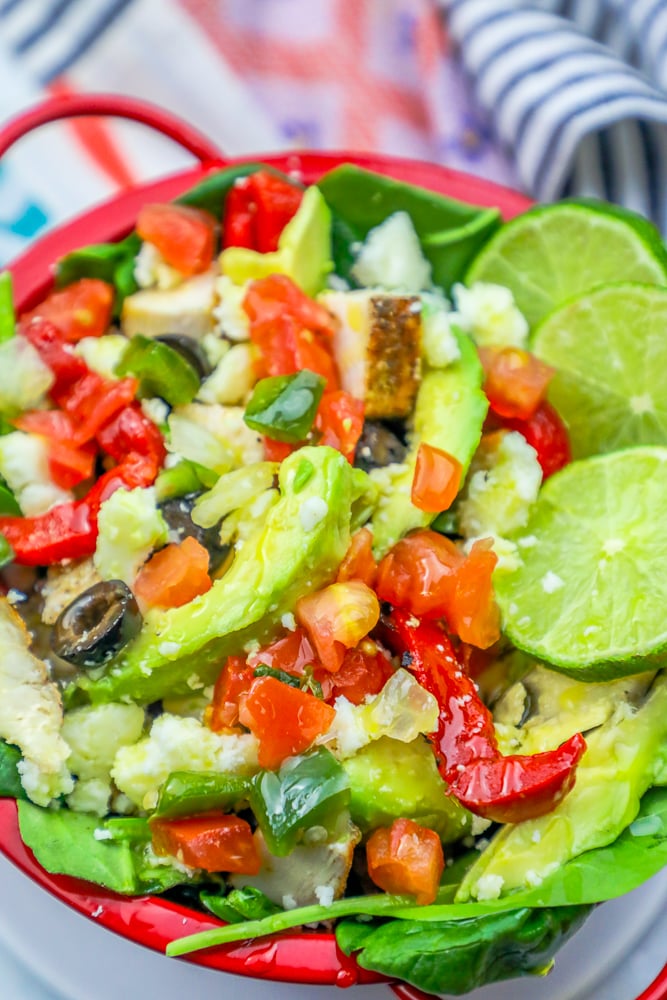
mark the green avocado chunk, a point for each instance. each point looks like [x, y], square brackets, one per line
[390, 779]
[295, 550]
[449, 414]
[624, 755]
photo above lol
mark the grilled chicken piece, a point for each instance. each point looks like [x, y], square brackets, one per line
[186, 309]
[377, 346]
[63, 584]
[311, 874]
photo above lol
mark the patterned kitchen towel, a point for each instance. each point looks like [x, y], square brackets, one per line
[554, 96]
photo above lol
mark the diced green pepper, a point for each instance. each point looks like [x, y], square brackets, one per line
[7, 315]
[6, 551]
[132, 829]
[8, 502]
[188, 793]
[161, 370]
[283, 407]
[307, 791]
[240, 904]
[186, 477]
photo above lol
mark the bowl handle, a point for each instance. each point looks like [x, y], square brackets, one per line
[109, 105]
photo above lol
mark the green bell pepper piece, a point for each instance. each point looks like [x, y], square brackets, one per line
[240, 904]
[7, 314]
[188, 793]
[284, 407]
[161, 370]
[186, 477]
[307, 791]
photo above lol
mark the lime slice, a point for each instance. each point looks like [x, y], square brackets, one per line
[554, 252]
[610, 351]
[589, 595]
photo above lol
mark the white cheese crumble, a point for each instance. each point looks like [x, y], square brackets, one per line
[489, 887]
[156, 410]
[231, 319]
[551, 582]
[288, 621]
[488, 312]
[289, 902]
[312, 511]
[391, 257]
[102, 834]
[152, 271]
[325, 894]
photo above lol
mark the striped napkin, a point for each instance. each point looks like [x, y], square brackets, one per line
[555, 97]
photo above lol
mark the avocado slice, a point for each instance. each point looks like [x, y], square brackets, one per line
[625, 753]
[449, 414]
[389, 779]
[296, 550]
[303, 254]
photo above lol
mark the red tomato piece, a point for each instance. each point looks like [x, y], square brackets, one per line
[276, 451]
[359, 562]
[184, 236]
[68, 465]
[130, 433]
[53, 424]
[52, 348]
[406, 858]
[365, 671]
[284, 719]
[174, 576]
[436, 480]
[234, 680]
[419, 574]
[516, 381]
[472, 612]
[338, 618]
[82, 309]
[292, 653]
[547, 434]
[212, 843]
[340, 420]
[92, 401]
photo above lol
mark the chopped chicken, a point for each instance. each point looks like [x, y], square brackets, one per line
[31, 713]
[377, 345]
[186, 309]
[310, 874]
[64, 583]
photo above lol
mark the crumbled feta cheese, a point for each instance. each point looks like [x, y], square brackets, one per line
[288, 621]
[489, 887]
[489, 314]
[312, 511]
[439, 345]
[95, 733]
[536, 837]
[102, 834]
[179, 744]
[325, 894]
[391, 257]
[233, 378]
[156, 410]
[151, 269]
[289, 902]
[502, 486]
[90, 795]
[533, 879]
[169, 648]
[551, 582]
[479, 825]
[130, 527]
[231, 319]
[102, 354]
[24, 464]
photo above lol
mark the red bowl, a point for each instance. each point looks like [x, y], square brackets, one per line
[312, 958]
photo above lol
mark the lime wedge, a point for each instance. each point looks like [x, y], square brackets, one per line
[610, 352]
[589, 595]
[554, 252]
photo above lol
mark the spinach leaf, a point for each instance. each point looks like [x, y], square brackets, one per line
[65, 843]
[210, 194]
[240, 904]
[458, 956]
[450, 232]
[111, 262]
[10, 780]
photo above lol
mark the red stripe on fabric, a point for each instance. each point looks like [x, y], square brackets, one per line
[96, 138]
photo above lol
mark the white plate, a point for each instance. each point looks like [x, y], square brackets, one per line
[619, 951]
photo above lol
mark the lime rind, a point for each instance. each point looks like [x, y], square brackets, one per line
[590, 593]
[609, 350]
[554, 252]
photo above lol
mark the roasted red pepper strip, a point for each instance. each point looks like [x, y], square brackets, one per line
[50, 344]
[506, 789]
[131, 438]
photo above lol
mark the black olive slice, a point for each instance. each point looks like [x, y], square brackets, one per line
[97, 624]
[378, 446]
[189, 349]
[177, 512]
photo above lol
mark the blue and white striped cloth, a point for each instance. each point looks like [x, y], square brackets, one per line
[576, 91]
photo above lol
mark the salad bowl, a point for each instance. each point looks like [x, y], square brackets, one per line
[293, 956]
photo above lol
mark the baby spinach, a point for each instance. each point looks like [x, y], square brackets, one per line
[111, 262]
[450, 232]
[240, 904]
[10, 779]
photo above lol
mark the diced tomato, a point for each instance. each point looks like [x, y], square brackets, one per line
[53, 424]
[69, 465]
[82, 309]
[359, 562]
[257, 210]
[184, 236]
[50, 344]
[340, 419]
[284, 719]
[472, 612]
[547, 434]
[129, 432]
[338, 618]
[234, 680]
[292, 653]
[212, 843]
[406, 858]
[174, 576]
[436, 479]
[419, 574]
[516, 381]
[365, 671]
[92, 401]
[276, 451]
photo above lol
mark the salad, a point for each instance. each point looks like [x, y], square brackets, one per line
[333, 542]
